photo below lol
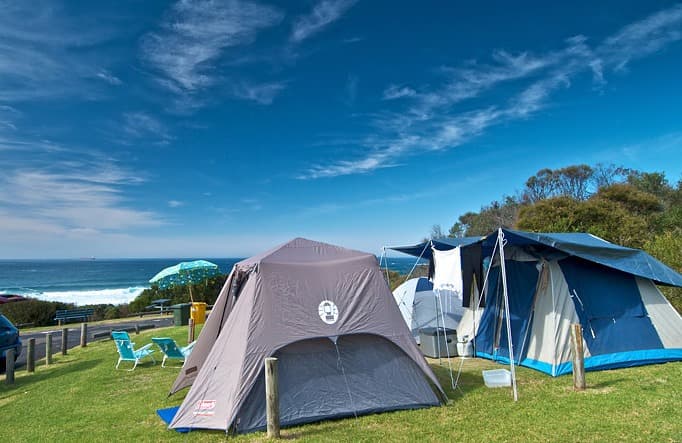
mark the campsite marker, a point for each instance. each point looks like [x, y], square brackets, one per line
[9, 368]
[578, 357]
[272, 397]
[190, 331]
[31, 355]
[48, 349]
[84, 335]
[65, 340]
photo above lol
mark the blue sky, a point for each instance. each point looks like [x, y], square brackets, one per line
[221, 128]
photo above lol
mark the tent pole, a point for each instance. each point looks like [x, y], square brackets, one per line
[500, 238]
[384, 260]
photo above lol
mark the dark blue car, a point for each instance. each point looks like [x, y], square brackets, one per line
[9, 338]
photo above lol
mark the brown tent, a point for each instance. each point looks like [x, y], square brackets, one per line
[329, 317]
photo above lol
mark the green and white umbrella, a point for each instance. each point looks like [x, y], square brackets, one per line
[185, 273]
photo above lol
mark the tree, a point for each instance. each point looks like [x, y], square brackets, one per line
[556, 214]
[607, 175]
[541, 186]
[612, 221]
[436, 232]
[458, 230]
[496, 214]
[572, 181]
[653, 183]
[632, 199]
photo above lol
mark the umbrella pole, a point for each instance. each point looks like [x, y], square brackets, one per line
[191, 325]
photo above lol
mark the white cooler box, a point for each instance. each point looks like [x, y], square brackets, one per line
[438, 342]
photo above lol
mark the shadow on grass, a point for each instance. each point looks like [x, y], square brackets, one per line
[55, 371]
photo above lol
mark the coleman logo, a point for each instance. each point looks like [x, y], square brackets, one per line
[205, 407]
[328, 312]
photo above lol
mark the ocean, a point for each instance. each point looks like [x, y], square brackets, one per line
[104, 281]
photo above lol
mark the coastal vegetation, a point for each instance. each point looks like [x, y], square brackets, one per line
[81, 397]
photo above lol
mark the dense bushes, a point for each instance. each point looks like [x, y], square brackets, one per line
[667, 247]
[38, 312]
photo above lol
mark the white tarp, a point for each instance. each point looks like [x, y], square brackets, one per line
[447, 281]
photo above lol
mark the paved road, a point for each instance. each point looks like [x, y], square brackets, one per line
[74, 335]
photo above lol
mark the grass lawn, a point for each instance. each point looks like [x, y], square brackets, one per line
[81, 397]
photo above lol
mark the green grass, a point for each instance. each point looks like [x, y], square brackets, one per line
[81, 397]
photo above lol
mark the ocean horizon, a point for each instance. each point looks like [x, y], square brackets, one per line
[105, 281]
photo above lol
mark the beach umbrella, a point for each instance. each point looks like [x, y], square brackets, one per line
[185, 273]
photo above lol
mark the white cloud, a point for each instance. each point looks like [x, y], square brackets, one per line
[175, 203]
[44, 51]
[263, 93]
[430, 120]
[194, 35]
[109, 77]
[7, 116]
[322, 15]
[69, 196]
[140, 125]
[394, 92]
[642, 38]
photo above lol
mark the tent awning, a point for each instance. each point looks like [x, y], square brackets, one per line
[578, 244]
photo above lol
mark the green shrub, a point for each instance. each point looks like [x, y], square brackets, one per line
[112, 312]
[38, 312]
[667, 247]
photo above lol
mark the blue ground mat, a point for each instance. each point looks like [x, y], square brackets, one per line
[167, 416]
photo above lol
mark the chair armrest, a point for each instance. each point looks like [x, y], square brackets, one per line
[145, 347]
[188, 349]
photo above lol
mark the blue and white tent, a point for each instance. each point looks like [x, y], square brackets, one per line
[422, 308]
[556, 279]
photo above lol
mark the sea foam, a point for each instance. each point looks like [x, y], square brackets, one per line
[92, 297]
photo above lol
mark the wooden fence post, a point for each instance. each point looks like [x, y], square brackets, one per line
[137, 329]
[31, 355]
[84, 335]
[578, 357]
[65, 340]
[9, 366]
[190, 332]
[272, 397]
[48, 349]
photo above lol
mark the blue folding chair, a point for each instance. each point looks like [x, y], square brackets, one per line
[171, 349]
[126, 349]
